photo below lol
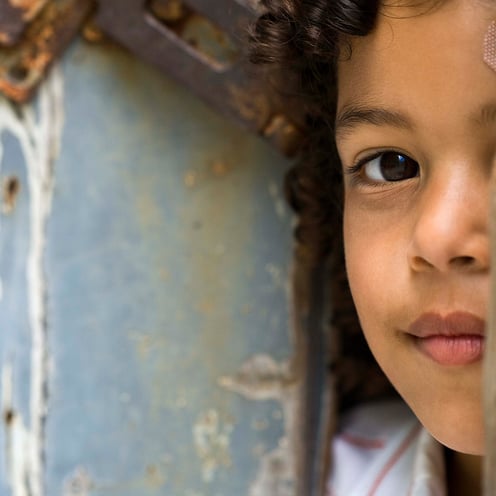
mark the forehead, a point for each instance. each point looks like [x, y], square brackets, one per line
[419, 54]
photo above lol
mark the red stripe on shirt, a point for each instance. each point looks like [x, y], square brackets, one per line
[362, 442]
[394, 458]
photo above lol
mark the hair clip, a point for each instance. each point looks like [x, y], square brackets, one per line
[490, 46]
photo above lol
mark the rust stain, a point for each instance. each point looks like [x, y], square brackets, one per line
[211, 43]
[4, 38]
[283, 134]
[15, 16]
[79, 483]
[220, 168]
[154, 477]
[252, 106]
[16, 94]
[217, 168]
[22, 67]
[11, 188]
[190, 179]
[146, 344]
[8, 417]
[212, 439]
[168, 10]
[30, 8]
[92, 33]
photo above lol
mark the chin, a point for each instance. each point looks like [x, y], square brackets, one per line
[465, 446]
[456, 421]
[460, 435]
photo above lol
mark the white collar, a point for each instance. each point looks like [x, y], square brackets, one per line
[429, 468]
[382, 450]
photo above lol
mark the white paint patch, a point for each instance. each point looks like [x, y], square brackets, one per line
[279, 202]
[279, 278]
[78, 484]
[212, 441]
[16, 436]
[262, 378]
[38, 130]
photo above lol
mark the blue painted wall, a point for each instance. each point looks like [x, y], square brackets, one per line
[144, 300]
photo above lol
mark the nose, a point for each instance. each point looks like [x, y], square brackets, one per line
[451, 228]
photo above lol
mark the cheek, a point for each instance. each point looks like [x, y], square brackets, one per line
[366, 255]
[361, 262]
[375, 262]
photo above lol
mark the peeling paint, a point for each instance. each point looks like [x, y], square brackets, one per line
[16, 437]
[11, 187]
[79, 483]
[38, 130]
[279, 279]
[279, 202]
[155, 477]
[263, 378]
[212, 441]
[146, 344]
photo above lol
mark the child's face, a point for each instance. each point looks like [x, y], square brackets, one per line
[416, 217]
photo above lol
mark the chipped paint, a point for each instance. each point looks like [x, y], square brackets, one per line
[79, 483]
[15, 433]
[31, 8]
[212, 440]
[280, 207]
[263, 378]
[36, 43]
[38, 131]
[278, 277]
[11, 188]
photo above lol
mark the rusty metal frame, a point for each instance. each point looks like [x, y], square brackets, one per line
[33, 33]
[31, 45]
[15, 17]
[229, 89]
[131, 24]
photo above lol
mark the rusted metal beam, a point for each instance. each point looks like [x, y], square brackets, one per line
[316, 401]
[198, 42]
[15, 16]
[134, 24]
[23, 65]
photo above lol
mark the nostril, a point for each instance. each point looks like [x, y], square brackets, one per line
[462, 261]
[420, 264]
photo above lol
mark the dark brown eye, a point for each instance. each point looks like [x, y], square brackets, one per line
[389, 167]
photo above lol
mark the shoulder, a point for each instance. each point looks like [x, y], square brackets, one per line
[376, 451]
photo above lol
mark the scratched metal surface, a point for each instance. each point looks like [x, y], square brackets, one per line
[144, 339]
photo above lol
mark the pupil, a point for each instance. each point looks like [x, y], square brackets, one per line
[396, 167]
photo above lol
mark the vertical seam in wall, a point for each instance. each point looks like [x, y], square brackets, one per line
[38, 130]
[45, 136]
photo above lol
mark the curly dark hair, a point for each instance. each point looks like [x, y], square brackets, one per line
[300, 42]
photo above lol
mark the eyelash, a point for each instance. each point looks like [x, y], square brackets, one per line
[357, 167]
[354, 171]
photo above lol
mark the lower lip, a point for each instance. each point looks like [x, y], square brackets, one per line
[452, 350]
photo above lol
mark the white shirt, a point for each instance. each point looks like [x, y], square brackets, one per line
[382, 450]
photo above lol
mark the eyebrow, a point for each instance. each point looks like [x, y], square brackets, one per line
[353, 116]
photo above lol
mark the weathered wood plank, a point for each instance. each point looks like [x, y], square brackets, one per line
[490, 363]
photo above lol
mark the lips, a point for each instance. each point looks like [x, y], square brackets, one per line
[454, 339]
